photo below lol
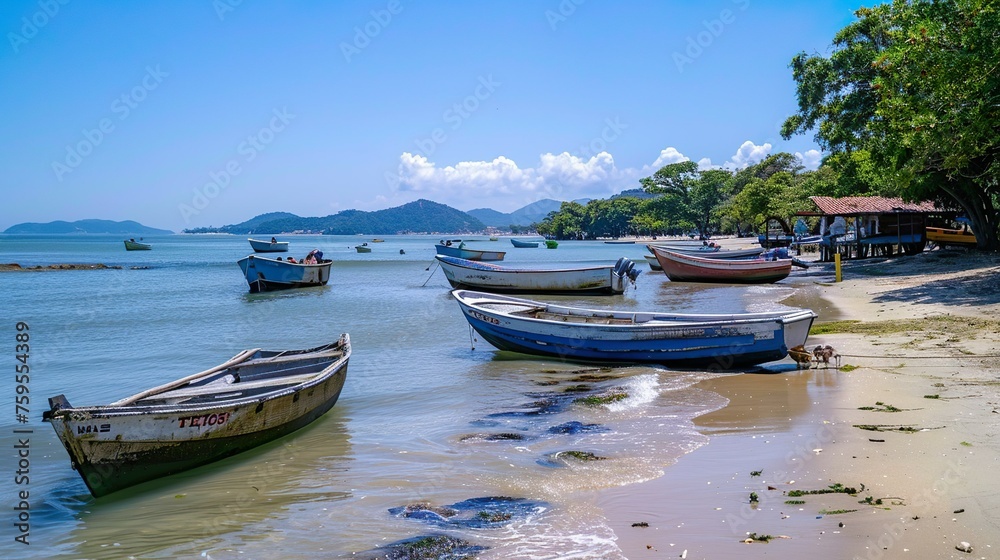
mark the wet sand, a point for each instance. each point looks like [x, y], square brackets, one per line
[935, 478]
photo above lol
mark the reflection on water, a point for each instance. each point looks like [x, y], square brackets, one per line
[201, 509]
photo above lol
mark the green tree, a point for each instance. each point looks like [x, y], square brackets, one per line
[914, 84]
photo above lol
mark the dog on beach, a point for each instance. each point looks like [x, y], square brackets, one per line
[801, 356]
[825, 354]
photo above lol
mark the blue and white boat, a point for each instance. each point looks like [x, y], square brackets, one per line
[489, 277]
[268, 246]
[716, 341]
[265, 274]
[462, 252]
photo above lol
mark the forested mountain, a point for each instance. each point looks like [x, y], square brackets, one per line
[415, 217]
[127, 227]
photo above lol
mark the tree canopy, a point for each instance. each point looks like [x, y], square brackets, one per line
[911, 90]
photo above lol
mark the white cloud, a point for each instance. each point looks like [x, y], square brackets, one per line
[559, 176]
[504, 185]
[811, 159]
[668, 156]
[748, 154]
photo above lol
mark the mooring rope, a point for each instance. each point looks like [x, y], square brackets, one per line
[472, 337]
[432, 273]
[963, 356]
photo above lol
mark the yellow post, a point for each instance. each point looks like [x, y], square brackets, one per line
[836, 264]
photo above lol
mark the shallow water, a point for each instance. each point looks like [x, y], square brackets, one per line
[411, 426]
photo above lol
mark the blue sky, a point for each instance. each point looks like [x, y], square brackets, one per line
[195, 113]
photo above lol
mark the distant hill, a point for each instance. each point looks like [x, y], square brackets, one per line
[127, 227]
[418, 216]
[525, 216]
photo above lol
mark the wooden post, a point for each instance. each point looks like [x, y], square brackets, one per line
[836, 266]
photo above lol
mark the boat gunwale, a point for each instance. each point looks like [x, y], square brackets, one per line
[489, 267]
[655, 320]
[342, 346]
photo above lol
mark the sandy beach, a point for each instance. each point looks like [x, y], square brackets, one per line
[919, 339]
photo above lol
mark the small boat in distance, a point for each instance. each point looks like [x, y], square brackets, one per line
[523, 244]
[653, 263]
[688, 268]
[272, 246]
[363, 248]
[133, 245]
[610, 279]
[255, 397]
[265, 274]
[460, 251]
[722, 341]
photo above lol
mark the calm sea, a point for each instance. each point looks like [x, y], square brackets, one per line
[410, 426]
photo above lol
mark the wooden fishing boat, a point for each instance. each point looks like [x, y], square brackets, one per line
[133, 245]
[942, 236]
[551, 244]
[264, 274]
[363, 248]
[462, 252]
[653, 263]
[523, 244]
[611, 279]
[255, 397]
[268, 246]
[689, 268]
[723, 341]
[710, 252]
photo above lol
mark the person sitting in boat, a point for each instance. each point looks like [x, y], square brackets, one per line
[311, 257]
[292, 260]
[273, 240]
[319, 255]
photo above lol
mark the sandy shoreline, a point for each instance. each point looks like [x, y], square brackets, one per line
[798, 429]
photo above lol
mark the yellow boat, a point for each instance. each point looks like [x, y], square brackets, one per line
[943, 236]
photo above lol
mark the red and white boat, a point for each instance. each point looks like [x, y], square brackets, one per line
[689, 268]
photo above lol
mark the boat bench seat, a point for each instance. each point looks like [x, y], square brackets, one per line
[583, 319]
[227, 386]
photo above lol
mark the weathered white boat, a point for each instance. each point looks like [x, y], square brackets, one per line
[265, 274]
[462, 252]
[610, 279]
[723, 341]
[253, 398]
[268, 246]
[133, 245]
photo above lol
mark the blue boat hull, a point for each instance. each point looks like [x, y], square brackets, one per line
[584, 335]
[264, 275]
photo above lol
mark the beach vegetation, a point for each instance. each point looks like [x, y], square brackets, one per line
[846, 368]
[905, 104]
[836, 511]
[836, 488]
[871, 501]
[756, 473]
[759, 538]
[494, 516]
[932, 396]
[795, 502]
[881, 407]
[965, 444]
[754, 498]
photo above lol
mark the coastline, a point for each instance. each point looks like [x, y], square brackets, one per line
[798, 427]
